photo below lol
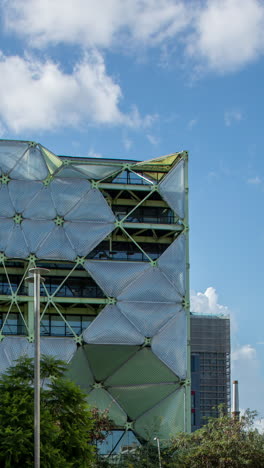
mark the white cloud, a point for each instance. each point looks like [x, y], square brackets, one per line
[37, 95]
[254, 180]
[207, 303]
[127, 142]
[228, 34]
[192, 123]
[232, 116]
[94, 154]
[152, 139]
[96, 25]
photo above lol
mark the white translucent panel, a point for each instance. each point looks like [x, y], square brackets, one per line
[92, 207]
[66, 193]
[79, 371]
[148, 317]
[35, 232]
[22, 193]
[56, 246]
[11, 348]
[112, 327]
[102, 400]
[6, 228]
[85, 236]
[41, 206]
[97, 171]
[153, 286]
[164, 420]
[16, 246]
[68, 172]
[173, 263]
[170, 344]
[52, 161]
[172, 189]
[31, 166]
[61, 348]
[6, 207]
[114, 276]
[10, 152]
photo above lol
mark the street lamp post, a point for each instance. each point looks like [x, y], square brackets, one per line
[35, 277]
[158, 445]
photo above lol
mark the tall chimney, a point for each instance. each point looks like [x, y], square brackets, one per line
[235, 401]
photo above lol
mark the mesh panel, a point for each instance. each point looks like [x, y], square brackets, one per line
[35, 232]
[13, 347]
[113, 276]
[56, 246]
[31, 166]
[22, 193]
[153, 286]
[17, 246]
[10, 152]
[52, 161]
[172, 189]
[101, 399]
[69, 172]
[61, 348]
[170, 344]
[41, 206]
[6, 228]
[6, 207]
[93, 171]
[85, 236]
[79, 371]
[148, 317]
[137, 400]
[105, 359]
[172, 263]
[143, 368]
[164, 420]
[66, 193]
[111, 327]
[92, 207]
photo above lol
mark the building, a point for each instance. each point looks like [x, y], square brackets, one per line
[210, 366]
[115, 305]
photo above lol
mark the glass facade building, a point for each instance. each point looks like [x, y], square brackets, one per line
[115, 305]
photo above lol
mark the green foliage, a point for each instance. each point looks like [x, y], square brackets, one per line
[66, 420]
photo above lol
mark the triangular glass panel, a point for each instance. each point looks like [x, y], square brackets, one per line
[142, 368]
[10, 153]
[136, 400]
[105, 359]
[153, 286]
[91, 207]
[79, 371]
[170, 344]
[113, 276]
[35, 232]
[11, 348]
[173, 263]
[41, 206]
[6, 207]
[102, 400]
[63, 348]
[52, 161]
[172, 188]
[22, 193]
[17, 246]
[6, 229]
[67, 172]
[85, 236]
[148, 317]
[112, 327]
[56, 246]
[164, 420]
[31, 166]
[97, 171]
[66, 193]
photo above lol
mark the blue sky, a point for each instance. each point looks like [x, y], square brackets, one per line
[143, 78]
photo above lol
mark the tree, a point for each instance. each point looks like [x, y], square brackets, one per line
[222, 443]
[68, 427]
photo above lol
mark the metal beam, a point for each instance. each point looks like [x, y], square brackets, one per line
[156, 226]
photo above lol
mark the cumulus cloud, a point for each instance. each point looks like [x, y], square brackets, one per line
[228, 34]
[39, 95]
[232, 116]
[254, 180]
[207, 302]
